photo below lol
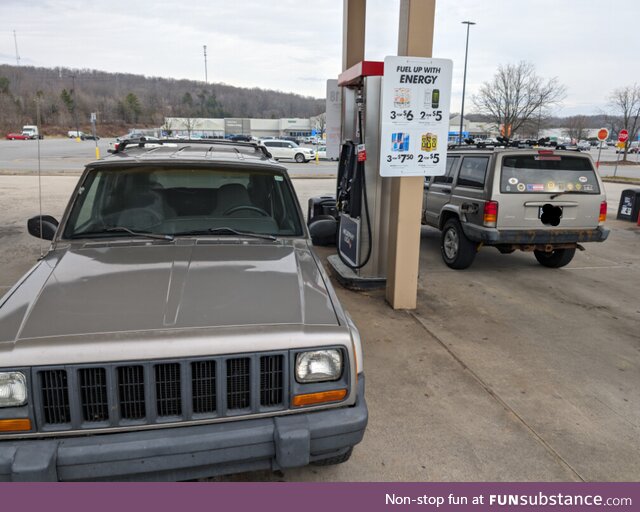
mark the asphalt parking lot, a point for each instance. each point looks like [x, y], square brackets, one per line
[506, 371]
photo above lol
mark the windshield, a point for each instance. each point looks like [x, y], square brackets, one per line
[175, 201]
[535, 174]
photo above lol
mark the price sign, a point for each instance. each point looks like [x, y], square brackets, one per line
[416, 94]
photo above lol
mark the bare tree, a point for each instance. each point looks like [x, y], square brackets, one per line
[576, 127]
[517, 95]
[189, 124]
[626, 101]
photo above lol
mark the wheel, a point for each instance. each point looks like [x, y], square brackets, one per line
[338, 459]
[554, 259]
[235, 209]
[457, 250]
[299, 158]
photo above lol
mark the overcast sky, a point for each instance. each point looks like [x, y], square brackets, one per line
[592, 46]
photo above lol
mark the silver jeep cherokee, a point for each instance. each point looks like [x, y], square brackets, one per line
[180, 326]
[537, 199]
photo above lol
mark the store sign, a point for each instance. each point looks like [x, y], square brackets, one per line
[416, 93]
[333, 110]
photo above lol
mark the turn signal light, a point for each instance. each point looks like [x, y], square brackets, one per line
[603, 212]
[490, 214]
[319, 398]
[17, 425]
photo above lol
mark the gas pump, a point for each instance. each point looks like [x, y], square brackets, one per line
[358, 224]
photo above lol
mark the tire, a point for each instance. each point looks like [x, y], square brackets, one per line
[331, 461]
[299, 158]
[555, 259]
[458, 252]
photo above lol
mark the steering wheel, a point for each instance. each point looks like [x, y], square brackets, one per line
[248, 208]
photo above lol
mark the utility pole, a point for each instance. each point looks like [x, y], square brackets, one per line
[15, 42]
[206, 79]
[464, 80]
[75, 105]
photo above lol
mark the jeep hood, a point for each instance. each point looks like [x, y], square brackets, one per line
[139, 286]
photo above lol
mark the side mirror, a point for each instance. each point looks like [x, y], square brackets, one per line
[323, 230]
[48, 223]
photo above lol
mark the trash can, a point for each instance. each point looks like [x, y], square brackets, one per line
[321, 205]
[629, 206]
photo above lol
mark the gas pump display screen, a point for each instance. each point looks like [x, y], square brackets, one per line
[415, 116]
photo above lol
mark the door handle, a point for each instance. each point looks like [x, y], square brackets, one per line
[446, 190]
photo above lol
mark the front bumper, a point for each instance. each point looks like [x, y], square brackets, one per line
[183, 453]
[493, 236]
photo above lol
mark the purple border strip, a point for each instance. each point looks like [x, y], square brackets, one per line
[318, 497]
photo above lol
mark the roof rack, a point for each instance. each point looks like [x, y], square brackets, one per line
[505, 143]
[142, 141]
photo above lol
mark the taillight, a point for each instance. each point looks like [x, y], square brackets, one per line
[603, 212]
[490, 214]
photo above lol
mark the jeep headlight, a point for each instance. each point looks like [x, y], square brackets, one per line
[319, 365]
[13, 389]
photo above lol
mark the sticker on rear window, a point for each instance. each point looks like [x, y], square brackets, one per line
[551, 186]
[521, 187]
[588, 188]
[583, 179]
[513, 181]
[578, 186]
[535, 187]
[569, 187]
[278, 178]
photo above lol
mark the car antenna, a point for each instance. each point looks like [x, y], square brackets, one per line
[39, 173]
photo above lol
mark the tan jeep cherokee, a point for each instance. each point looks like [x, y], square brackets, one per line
[538, 199]
[180, 326]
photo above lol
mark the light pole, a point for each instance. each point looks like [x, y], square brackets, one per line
[464, 80]
[206, 78]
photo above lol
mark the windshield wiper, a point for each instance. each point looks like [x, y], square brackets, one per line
[553, 196]
[227, 231]
[122, 229]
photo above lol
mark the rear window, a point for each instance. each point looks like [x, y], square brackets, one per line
[542, 174]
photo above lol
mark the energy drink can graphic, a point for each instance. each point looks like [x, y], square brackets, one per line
[399, 141]
[428, 98]
[435, 98]
[429, 142]
[402, 97]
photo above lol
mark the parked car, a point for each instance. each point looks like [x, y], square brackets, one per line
[240, 138]
[285, 149]
[89, 136]
[295, 140]
[190, 328]
[74, 134]
[17, 136]
[134, 137]
[584, 145]
[546, 201]
[322, 153]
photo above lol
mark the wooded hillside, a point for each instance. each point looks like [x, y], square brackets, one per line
[126, 100]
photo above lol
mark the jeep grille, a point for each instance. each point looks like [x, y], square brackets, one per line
[125, 394]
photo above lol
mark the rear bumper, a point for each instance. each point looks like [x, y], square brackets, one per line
[183, 453]
[492, 236]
